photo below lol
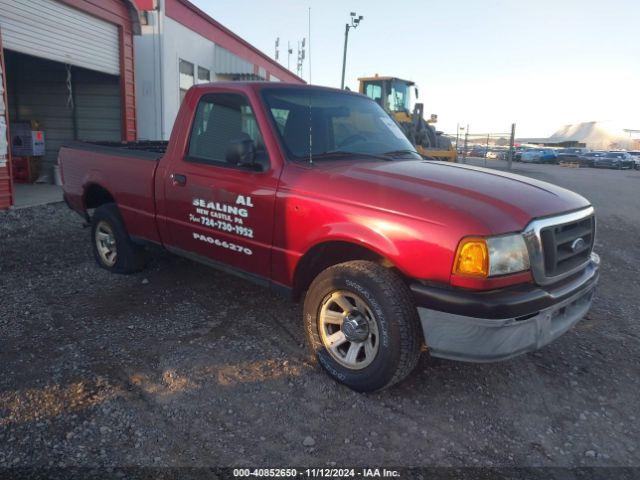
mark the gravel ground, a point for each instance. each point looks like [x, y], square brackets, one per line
[181, 365]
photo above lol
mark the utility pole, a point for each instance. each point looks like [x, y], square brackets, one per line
[486, 150]
[355, 21]
[466, 138]
[512, 141]
[277, 55]
[457, 137]
[458, 129]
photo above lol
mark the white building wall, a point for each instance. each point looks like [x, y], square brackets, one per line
[158, 51]
[181, 43]
[148, 88]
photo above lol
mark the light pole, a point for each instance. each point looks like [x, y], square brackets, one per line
[355, 21]
[458, 130]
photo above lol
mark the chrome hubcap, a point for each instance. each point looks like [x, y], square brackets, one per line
[106, 244]
[355, 327]
[348, 329]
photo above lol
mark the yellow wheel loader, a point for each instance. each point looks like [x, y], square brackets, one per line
[394, 95]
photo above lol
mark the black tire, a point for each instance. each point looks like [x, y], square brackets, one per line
[130, 257]
[391, 302]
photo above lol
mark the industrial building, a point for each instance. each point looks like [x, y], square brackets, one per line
[180, 46]
[105, 70]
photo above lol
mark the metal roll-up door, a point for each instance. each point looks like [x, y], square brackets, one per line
[52, 30]
[39, 90]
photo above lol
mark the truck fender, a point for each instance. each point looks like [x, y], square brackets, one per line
[93, 179]
[338, 243]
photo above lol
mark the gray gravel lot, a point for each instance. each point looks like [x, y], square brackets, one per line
[181, 365]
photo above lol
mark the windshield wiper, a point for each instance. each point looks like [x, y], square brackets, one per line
[396, 153]
[344, 153]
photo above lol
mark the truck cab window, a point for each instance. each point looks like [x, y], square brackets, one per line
[324, 122]
[220, 120]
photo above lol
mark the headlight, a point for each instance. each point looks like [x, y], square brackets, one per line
[491, 256]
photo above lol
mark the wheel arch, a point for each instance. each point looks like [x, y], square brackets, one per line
[328, 253]
[95, 195]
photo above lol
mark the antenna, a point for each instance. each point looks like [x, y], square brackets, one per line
[310, 132]
[309, 46]
[301, 56]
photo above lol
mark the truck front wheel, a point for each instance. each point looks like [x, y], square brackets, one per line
[112, 247]
[362, 325]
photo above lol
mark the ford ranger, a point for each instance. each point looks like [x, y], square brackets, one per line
[317, 193]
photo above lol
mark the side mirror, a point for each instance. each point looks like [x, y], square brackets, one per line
[241, 152]
[416, 90]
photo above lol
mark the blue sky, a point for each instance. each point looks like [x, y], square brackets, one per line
[538, 63]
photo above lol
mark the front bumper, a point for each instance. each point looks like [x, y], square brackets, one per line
[497, 325]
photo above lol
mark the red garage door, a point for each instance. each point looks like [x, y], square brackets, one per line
[6, 187]
[93, 35]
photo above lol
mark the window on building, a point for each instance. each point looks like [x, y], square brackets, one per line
[186, 77]
[204, 75]
[221, 119]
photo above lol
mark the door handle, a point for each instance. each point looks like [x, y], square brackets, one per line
[179, 179]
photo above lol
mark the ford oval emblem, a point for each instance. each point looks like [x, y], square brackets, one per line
[578, 244]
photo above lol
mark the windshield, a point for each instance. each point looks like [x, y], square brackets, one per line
[339, 123]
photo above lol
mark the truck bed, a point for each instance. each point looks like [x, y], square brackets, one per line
[147, 149]
[126, 171]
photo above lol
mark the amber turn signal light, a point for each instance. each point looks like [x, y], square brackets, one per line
[472, 258]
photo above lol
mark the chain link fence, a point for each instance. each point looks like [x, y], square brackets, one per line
[486, 146]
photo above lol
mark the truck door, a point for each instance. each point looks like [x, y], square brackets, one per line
[216, 210]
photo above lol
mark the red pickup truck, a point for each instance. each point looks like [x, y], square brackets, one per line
[316, 192]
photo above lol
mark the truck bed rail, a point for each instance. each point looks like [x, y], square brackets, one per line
[144, 149]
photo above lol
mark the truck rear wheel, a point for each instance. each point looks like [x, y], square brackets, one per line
[362, 325]
[112, 247]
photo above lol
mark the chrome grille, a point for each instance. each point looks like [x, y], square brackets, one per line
[567, 246]
[554, 247]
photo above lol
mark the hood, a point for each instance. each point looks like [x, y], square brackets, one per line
[487, 201]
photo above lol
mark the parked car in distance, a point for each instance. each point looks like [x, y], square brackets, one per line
[478, 152]
[571, 155]
[517, 155]
[617, 160]
[572, 151]
[499, 153]
[588, 159]
[636, 158]
[389, 251]
[541, 155]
